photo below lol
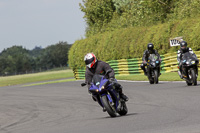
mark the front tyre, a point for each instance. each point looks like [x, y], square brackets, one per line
[151, 79]
[156, 76]
[188, 83]
[108, 106]
[193, 77]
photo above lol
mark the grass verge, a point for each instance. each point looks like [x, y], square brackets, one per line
[171, 76]
[36, 77]
[51, 82]
[61, 75]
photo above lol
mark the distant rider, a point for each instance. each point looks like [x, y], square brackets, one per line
[150, 50]
[95, 66]
[183, 49]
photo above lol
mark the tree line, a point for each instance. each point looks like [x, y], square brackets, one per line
[18, 60]
[121, 29]
[109, 15]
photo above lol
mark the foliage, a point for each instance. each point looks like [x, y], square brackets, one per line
[18, 60]
[131, 42]
[54, 56]
[97, 14]
[186, 9]
[35, 77]
[121, 28]
[108, 15]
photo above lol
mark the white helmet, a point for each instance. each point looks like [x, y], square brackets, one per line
[90, 59]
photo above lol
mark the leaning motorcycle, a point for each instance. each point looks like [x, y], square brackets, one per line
[153, 68]
[105, 94]
[190, 66]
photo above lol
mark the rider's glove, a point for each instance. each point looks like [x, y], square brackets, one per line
[111, 80]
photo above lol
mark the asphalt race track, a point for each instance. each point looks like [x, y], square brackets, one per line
[168, 107]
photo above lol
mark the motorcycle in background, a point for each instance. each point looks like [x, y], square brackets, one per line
[153, 68]
[190, 66]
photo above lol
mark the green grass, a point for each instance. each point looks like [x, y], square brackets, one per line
[171, 76]
[51, 82]
[36, 77]
[67, 75]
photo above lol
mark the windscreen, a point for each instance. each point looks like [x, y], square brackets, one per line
[96, 79]
[187, 56]
[153, 57]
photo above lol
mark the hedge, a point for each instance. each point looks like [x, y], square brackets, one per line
[130, 43]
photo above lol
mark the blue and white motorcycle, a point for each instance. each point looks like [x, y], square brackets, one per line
[104, 93]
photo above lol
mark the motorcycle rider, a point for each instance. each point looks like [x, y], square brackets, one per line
[150, 50]
[183, 49]
[95, 66]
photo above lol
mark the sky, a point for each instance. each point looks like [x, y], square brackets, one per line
[31, 23]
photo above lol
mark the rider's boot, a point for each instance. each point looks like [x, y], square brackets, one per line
[124, 97]
[122, 94]
[119, 89]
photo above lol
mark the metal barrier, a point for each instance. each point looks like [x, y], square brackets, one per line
[132, 66]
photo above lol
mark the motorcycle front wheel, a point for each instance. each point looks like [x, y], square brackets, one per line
[106, 103]
[156, 76]
[151, 79]
[193, 77]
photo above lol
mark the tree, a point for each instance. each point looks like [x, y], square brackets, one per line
[97, 14]
[15, 60]
[55, 56]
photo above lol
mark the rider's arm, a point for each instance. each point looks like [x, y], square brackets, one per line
[178, 55]
[191, 51]
[144, 56]
[107, 67]
[156, 52]
[88, 77]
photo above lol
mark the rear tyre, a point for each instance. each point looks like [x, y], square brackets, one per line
[111, 111]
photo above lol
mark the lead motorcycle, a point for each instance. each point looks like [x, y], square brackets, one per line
[153, 68]
[190, 66]
[107, 97]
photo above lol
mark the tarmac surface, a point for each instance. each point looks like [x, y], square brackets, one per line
[167, 107]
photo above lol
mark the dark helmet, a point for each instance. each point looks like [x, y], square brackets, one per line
[150, 46]
[183, 45]
[90, 60]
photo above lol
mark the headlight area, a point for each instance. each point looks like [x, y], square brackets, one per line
[102, 87]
